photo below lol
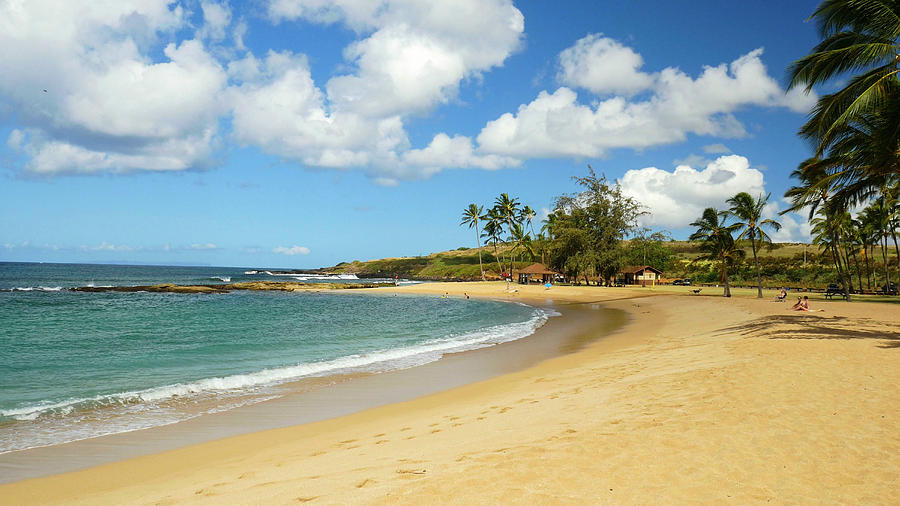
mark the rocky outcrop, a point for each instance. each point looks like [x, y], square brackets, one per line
[282, 286]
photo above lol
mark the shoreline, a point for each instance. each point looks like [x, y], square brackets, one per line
[313, 399]
[698, 399]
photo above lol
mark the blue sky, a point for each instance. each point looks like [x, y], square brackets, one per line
[302, 133]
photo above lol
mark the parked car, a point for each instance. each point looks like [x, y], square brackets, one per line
[678, 282]
[687, 281]
[889, 290]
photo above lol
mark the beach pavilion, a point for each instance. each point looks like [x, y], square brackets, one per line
[641, 275]
[534, 271]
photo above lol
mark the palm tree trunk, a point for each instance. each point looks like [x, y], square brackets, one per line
[887, 273]
[896, 249]
[756, 261]
[868, 267]
[845, 258]
[724, 276]
[478, 241]
[497, 258]
[858, 270]
[837, 261]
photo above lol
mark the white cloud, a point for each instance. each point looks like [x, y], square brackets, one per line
[677, 198]
[418, 52]
[291, 251]
[602, 65]
[794, 226]
[216, 19]
[557, 125]
[202, 247]
[457, 151]
[715, 149]
[105, 246]
[108, 106]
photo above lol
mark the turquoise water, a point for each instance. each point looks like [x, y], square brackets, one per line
[76, 365]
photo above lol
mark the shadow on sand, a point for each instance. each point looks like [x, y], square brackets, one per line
[810, 326]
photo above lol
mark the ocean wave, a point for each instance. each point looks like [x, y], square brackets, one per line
[377, 361]
[35, 289]
[224, 279]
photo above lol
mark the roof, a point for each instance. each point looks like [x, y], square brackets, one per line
[634, 269]
[536, 268]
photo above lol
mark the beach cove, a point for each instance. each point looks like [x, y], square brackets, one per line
[697, 399]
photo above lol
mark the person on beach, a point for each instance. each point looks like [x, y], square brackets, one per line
[465, 295]
[781, 297]
[802, 304]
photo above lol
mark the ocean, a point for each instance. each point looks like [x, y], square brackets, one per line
[77, 365]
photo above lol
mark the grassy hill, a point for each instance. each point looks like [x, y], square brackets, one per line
[784, 264]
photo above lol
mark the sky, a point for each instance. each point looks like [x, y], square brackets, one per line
[303, 133]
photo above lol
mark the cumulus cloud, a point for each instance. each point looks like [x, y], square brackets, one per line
[291, 251]
[602, 65]
[558, 125]
[676, 198]
[127, 90]
[90, 99]
[416, 54]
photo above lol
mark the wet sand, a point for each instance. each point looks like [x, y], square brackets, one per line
[698, 399]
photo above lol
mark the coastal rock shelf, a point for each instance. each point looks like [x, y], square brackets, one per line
[278, 286]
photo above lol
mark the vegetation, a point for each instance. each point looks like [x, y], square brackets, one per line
[717, 242]
[746, 208]
[856, 135]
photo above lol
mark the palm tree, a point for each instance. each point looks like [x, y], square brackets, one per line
[748, 209]
[527, 215]
[816, 191]
[493, 230]
[857, 36]
[718, 241]
[508, 209]
[470, 217]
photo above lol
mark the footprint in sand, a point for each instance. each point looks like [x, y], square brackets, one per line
[364, 483]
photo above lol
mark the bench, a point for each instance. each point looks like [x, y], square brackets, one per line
[832, 292]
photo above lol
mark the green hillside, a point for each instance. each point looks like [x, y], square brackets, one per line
[782, 264]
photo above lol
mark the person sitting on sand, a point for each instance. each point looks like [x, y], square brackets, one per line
[781, 297]
[802, 304]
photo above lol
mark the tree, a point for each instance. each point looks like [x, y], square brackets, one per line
[646, 248]
[493, 230]
[718, 242]
[816, 192]
[591, 224]
[508, 209]
[746, 208]
[857, 36]
[470, 217]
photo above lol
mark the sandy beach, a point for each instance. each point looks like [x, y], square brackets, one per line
[697, 399]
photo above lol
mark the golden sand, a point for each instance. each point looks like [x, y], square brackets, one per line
[698, 400]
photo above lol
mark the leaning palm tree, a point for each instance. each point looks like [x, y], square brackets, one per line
[859, 36]
[718, 242]
[746, 208]
[816, 192]
[470, 217]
